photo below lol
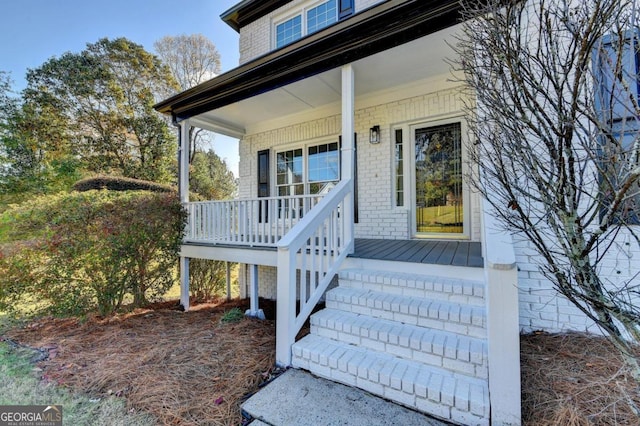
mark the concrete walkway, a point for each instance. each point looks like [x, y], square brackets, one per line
[297, 398]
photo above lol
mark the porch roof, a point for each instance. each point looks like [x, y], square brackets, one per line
[382, 27]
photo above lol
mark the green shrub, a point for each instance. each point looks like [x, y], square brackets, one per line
[207, 279]
[118, 183]
[93, 248]
[233, 315]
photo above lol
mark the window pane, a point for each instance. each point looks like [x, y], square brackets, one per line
[321, 16]
[323, 163]
[438, 179]
[399, 169]
[288, 31]
[289, 177]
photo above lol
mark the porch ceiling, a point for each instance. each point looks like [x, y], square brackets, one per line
[414, 61]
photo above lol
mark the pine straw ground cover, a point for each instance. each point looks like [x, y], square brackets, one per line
[183, 368]
[188, 369]
[574, 380]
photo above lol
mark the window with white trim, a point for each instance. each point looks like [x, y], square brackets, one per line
[309, 20]
[312, 170]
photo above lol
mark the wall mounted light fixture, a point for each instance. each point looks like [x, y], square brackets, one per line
[374, 134]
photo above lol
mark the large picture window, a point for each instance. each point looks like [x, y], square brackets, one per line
[313, 170]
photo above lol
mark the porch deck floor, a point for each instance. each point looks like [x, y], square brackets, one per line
[454, 253]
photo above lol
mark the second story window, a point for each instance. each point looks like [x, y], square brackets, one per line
[312, 18]
[289, 31]
[321, 16]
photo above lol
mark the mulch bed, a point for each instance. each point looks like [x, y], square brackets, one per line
[189, 368]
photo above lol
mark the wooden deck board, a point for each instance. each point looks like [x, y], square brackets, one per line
[461, 256]
[455, 253]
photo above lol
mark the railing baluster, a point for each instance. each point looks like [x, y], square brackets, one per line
[256, 222]
[268, 217]
[303, 277]
[322, 252]
[230, 225]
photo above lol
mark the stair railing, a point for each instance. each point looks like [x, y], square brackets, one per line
[309, 256]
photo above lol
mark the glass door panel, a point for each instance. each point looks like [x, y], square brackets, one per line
[438, 180]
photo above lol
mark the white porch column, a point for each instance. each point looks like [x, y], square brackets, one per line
[184, 283]
[253, 291]
[183, 191]
[228, 268]
[183, 157]
[348, 132]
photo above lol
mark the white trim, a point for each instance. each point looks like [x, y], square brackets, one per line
[218, 126]
[240, 254]
[457, 117]
[405, 168]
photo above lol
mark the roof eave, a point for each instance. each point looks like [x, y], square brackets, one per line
[382, 27]
[248, 11]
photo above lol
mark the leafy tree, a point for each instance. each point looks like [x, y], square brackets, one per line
[192, 59]
[7, 103]
[210, 177]
[98, 105]
[31, 159]
[558, 143]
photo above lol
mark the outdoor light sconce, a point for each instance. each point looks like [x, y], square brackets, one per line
[374, 134]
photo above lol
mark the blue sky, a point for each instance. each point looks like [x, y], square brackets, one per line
[33, 31]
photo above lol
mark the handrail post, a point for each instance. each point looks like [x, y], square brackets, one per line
[503, 330]
[285, 305]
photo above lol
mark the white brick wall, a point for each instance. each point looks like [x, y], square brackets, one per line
[267, 279]
[256, 38]
[378, 216]
[542, 308]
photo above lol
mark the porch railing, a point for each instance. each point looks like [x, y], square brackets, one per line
[309, 256]
[252, 222]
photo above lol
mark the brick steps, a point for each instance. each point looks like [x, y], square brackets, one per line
[417, 340]
[444, 289]
[456, 318]
[436, 391]
[459, 354]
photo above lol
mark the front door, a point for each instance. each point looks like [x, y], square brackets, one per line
[439, 199]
